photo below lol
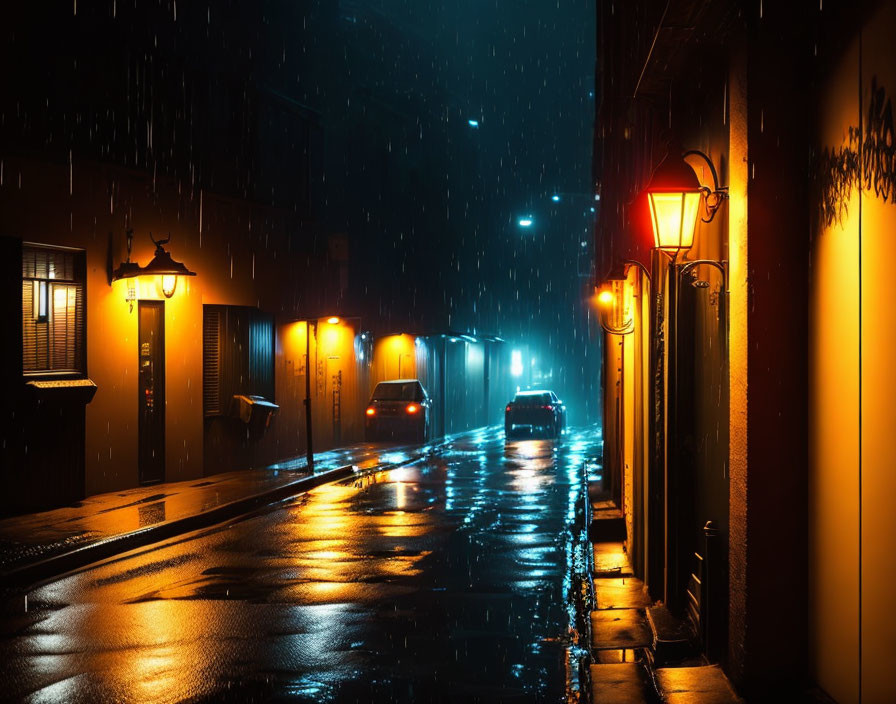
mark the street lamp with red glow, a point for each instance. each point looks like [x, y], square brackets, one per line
[674, 197]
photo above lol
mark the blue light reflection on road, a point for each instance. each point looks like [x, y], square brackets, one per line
[446, 579]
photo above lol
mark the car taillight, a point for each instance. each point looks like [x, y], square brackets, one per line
[371, 411]
[412, 408]
[548, 408]
[508, 407]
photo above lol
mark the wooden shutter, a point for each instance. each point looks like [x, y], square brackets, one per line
[211, 360]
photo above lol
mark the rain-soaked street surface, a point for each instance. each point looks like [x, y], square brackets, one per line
[445, 580]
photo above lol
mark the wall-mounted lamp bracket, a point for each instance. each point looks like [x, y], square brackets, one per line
[634, 262]
[629, 327]
[127, 270]
[712, 197]
[722, 266]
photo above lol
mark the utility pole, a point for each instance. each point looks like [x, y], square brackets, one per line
[310, 451]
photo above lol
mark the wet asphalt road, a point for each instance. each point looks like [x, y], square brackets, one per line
[445, 580]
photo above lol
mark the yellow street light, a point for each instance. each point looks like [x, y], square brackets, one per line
[166, 269]
[613, 308]
[674, 196]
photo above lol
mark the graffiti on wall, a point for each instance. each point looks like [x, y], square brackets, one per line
[867, 160]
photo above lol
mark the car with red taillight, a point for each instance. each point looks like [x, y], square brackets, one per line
[398, 409]
[533, 413]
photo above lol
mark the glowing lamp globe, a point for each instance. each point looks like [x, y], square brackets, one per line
[673, 197]
[165, 269]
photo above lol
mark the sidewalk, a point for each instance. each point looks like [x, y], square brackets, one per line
[625, 636]
[41, 545]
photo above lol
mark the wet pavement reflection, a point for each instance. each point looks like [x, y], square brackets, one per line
[444, 580]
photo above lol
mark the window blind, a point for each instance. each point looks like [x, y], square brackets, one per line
[53, 335]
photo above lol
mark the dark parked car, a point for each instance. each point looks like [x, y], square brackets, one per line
[533, 412]
[399, 408]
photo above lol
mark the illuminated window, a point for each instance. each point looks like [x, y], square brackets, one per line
[53, 321]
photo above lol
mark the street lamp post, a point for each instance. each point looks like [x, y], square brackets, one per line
[337, 423]
[309, 452]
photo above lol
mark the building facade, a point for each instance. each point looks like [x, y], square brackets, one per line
[747, 420]
[127, 126]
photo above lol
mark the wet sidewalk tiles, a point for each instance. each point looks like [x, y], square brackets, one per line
[619, 629]
[610, 560]
[619, 683]
[632, 639]
[620, 593]
[705, 684]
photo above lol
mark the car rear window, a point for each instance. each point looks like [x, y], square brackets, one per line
[533, 399]
[396, 392]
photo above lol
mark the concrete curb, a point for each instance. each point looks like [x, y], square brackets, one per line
[56, 565]
[109, 547]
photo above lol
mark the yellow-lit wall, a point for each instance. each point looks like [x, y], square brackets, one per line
[335, 359]
[637, 404]
[240, 254]
[394, 357]
[878, 382]
[852, 444]
[738, 346]
[630, 424]
[613, 416]
[834, 421]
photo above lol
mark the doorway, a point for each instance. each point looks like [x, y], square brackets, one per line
[151, 392]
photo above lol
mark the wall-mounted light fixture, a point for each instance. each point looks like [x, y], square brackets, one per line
[128, 270]
[164, 268]
[686, 267]
[614, 311]
[619, 272]
[674, 197]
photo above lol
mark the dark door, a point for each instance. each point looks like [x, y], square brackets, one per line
[334, 379]
[151, 400]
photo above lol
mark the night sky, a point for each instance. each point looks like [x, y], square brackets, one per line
[427, 202]
[432, 208]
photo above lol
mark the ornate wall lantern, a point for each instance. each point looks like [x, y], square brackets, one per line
[162, 269]
[674, 196]
[165, 269]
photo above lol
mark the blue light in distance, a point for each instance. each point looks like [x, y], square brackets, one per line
[473, 123]
[555, 198]
[525, 222]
